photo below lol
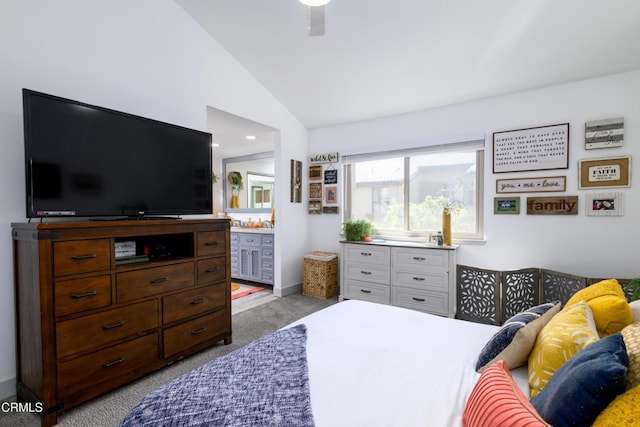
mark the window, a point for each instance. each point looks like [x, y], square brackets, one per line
[403, 192]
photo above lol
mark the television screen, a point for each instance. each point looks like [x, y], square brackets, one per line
[88, 161]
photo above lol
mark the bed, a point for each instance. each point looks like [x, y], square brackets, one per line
[359, 363]
[377, 365]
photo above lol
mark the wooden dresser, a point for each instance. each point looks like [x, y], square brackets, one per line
[405, 274]
[90, 319]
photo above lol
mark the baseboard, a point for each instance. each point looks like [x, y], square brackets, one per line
[289, 290]
[7, 388]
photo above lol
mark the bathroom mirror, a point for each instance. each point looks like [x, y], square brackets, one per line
[257, 172]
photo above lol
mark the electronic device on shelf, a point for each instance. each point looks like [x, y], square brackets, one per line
[88, 161]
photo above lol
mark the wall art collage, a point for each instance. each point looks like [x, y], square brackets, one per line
[323, 184]
[546, 148]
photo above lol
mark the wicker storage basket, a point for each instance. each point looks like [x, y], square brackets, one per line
[320, 277]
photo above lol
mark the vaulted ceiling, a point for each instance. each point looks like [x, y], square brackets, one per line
[383, 57]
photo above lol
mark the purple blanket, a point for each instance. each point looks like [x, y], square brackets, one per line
[265, 383]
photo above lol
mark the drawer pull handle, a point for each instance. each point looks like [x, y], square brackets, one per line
[365, 272]
[211, 270]
[85, 256]
[212, 243]
[419, 258]
[419, 299]
[160, 280]
[199, 331]
[419, 279]
[365, 253]
[114, 363]
[197, 301]
[365, 291]
[86, 294]
[113, 325]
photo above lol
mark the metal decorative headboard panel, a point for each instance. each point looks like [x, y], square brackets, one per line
[478, 295]
[520, 291]
[491, 296]
[560, 286]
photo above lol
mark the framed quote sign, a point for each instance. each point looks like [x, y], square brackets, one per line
[605, 173]
[531, 149]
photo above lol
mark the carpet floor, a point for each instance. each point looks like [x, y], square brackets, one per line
[248, 325]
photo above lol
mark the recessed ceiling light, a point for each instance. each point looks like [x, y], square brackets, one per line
[213, 144]
[250, 137]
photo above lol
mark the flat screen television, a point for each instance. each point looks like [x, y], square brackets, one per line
[88, 161]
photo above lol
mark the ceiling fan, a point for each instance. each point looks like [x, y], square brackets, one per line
[315, 16]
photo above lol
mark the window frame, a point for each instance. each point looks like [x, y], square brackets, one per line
[420, 235]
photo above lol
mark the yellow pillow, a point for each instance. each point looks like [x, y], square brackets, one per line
[566, 334]
[631, 336]
[623, 411]
[610, 308]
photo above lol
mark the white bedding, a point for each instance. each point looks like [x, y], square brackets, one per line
[378, 365]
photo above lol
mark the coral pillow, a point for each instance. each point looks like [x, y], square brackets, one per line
[515, 339]
[631, 335]
[497, 401]
[610, 308]
[584, 386]
[566, 334]
[623, 411]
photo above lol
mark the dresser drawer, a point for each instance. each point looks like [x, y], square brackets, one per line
[438, 282]
[96, 330]
[211, 243]
[367, 272]
[430, 302]
[190, 303]
[104, 365]
[211, 270]
[181, 337]
[132, 285]
[367, 291]
[432, 260]
[77, 295]
[81, 256]
[369, 254]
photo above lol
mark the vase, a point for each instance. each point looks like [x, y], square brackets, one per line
[446, 226]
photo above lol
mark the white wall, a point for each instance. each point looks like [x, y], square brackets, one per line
[145, 57]
[590, 246]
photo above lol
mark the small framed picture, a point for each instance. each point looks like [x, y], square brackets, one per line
[315, 172]
[605, 173]
[604, 204]
[315, 207]
[506, 205]
[331, 195]
[315, 190]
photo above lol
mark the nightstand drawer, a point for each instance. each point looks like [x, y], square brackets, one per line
[83, 372]
[137, 284]
[189, 334]
[77, 295]
[431, 302]
[367, 291]
[81, 256]
[96, 330]
[190, 303]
